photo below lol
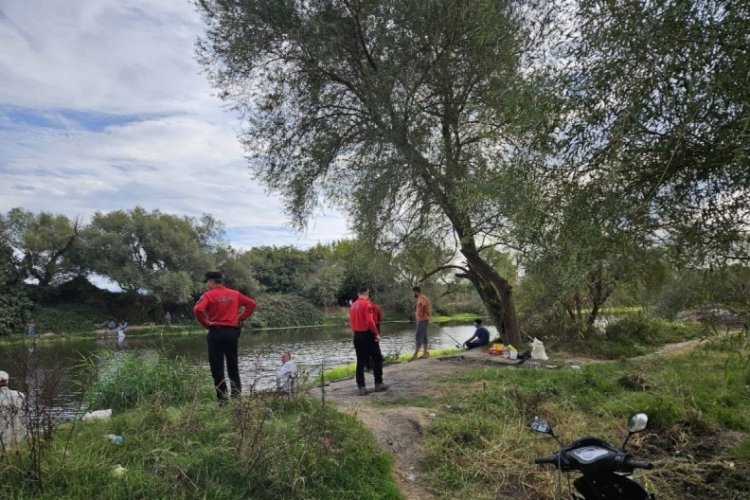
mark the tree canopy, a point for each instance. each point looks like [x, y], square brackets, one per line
[395, 111]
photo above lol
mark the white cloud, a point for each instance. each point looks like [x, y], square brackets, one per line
[105, 108]
[102, 55]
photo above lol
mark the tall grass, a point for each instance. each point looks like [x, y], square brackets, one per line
[479, 445]
[263, 448]
[122, 379]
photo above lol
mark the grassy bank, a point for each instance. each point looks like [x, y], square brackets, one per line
[479, 445]
[342, 372]
[178, 443]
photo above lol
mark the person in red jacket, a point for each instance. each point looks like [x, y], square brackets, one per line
[377, 315]
[222, 310]
[366, 341]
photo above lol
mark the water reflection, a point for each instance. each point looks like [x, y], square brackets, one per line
[312, 350]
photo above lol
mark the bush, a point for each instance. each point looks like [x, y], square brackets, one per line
[123, 379]
[650, 331]
[276, 310]
[67, 318]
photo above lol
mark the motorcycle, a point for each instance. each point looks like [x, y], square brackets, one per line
[604, 468]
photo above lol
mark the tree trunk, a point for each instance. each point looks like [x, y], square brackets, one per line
[496, 293]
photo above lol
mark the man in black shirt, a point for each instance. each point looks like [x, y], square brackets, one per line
[481, 336]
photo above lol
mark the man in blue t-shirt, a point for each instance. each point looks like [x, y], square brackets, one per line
[481, 336]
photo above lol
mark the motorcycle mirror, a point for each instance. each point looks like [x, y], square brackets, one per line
[540, 425]
[637, 422]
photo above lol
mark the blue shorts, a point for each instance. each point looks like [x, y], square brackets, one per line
[421, 332]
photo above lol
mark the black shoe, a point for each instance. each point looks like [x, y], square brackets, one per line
[381, 387]
[363, 391]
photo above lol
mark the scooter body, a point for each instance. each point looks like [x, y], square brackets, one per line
[604, 468]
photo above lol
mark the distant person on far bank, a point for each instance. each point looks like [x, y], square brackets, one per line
[31, 328]
[366, 341]
[223, 310]
[168, 319]
[121, 332]
[480, 338]
[286, 374]
[423, 319]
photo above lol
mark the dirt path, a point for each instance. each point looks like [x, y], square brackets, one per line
[399, 428]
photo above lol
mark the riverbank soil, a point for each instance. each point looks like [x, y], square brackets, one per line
[693, 457]
[395, 416]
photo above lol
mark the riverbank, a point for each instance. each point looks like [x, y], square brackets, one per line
[447, 428]
[153, 330]
[457, 426]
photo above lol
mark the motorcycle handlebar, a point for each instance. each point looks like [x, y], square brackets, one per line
[637, 464]
[544, 460]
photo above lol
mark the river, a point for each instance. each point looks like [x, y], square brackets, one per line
[259, 352]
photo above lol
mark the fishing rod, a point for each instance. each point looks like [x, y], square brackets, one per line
[456, 342]
[458, 345]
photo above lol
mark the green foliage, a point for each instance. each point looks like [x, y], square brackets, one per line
[15, 306]
[285, 310]
[162, 254]
[68, 318]
[403, 136]
[47, 244]
[123, 380]
[650, 331]
[673, 138]
[694, 288]
[279, 269]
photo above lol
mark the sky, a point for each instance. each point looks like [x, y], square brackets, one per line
[103, 107]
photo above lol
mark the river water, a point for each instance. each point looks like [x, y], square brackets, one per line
[312, 349]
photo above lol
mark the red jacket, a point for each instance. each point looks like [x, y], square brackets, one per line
[220, 307]
[362, 318]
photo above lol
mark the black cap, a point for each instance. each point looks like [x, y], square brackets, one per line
[478, 321]
[213, 275]
[363, 289]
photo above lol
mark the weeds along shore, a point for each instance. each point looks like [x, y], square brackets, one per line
[178, 443]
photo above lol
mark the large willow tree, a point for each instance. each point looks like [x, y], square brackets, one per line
[397, 111]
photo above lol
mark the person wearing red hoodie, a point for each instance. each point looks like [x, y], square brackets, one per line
[222, 310]
[366, 340]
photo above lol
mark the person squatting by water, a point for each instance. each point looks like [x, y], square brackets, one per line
[286, 374]
[481, 336]
[223, 310]
[366, 341]
[423, 319]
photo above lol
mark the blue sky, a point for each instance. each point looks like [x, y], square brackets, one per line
[103, 107]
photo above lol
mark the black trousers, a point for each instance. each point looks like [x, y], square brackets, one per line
[222, 343]
[366, 348]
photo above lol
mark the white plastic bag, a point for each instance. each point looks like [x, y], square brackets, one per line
[98, 415]
[537, 350]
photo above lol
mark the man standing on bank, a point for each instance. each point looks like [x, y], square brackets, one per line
[366, 341]
[222, 310]
[423, 318]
